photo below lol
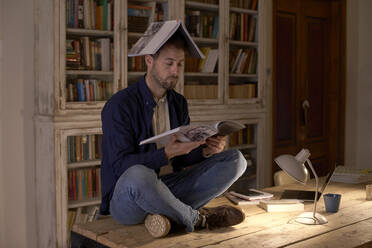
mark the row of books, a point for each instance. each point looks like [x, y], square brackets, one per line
[141, 15]
[193, 90]
[81, 215]
[243, 61]
[242, 27]
[84, 147]
[243, 136]
[245, 4]
[84, 183]
[202, 24]
[137, 63]
[346, 174]
[208, 64]
[87, 90]
[90, 14]
[246, 90]
[89, 54]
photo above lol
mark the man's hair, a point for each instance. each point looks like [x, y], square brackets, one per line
[177, 40]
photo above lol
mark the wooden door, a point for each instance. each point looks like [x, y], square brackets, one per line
[308, 80]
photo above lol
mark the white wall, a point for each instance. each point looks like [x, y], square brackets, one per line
[17, 166]
[358, 136]
[2, 236]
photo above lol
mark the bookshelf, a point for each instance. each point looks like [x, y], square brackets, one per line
[92, 64]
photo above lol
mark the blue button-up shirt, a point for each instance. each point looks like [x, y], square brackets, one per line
[127, 120]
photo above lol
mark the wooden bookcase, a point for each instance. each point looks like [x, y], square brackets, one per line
[213, 94]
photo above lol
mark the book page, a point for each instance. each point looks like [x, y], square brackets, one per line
[163, 33]
[196, 133]
[146, 40]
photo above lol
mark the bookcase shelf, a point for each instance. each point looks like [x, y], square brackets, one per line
[84, 203]
[242, 10]
[243, 43]
[89, 32]
[201, 40]
[201, 6]
[239, 75]
[84, 164]
[201, 74]
[89, 73]
[244, 146]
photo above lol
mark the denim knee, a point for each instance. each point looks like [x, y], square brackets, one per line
[238, 163]
[137, 176]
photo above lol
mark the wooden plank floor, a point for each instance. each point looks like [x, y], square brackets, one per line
[346, 228]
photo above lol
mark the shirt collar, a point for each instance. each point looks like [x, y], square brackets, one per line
[147, 95]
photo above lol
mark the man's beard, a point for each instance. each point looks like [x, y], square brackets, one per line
[168, 83]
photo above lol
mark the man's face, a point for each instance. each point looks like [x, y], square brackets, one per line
[165, 68]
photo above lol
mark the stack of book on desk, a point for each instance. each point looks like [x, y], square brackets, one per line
[282, 205]
[351, 175]
[252, 197]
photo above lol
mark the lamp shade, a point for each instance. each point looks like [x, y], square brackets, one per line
[294, 165]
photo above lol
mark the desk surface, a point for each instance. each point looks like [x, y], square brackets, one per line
[349, 227]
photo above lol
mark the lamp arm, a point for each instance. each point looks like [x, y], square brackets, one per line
[316, 186]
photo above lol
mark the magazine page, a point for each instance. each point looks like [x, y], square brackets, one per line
[194, 133]
[161, 138]
[146, 44]
[157, 35]
[228, 127]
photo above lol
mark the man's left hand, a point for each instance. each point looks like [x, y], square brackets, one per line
[215, 144]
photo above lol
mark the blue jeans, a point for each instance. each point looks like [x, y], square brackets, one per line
[140, 191]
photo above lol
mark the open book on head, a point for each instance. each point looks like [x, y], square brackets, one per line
[158, 33]
[196, 132]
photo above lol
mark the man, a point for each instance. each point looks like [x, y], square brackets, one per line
[132, 190]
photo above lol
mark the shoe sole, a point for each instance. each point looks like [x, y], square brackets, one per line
[157, 225]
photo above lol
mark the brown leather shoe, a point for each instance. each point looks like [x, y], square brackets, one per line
[222, 216]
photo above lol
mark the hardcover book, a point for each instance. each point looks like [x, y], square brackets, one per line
[193, 132]
[282, 205]
[157, 34]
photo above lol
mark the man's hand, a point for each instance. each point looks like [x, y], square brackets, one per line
[175, 148]
[215, 144]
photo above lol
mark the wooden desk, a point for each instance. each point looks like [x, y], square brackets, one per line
[350, 227]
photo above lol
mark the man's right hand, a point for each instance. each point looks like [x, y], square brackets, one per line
[175, 148]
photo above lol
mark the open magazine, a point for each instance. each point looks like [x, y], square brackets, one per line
[196, 132]
[158, 33]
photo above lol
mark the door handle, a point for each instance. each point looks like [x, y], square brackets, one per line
[305, 107]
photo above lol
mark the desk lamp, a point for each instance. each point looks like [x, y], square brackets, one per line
[295, 167]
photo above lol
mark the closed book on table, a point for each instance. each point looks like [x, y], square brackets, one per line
[282, 205]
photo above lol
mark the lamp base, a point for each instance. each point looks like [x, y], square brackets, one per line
[309, 219]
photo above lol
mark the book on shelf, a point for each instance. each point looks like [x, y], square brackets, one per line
[239, 201]
[83, 183]
[193, 21]
[157, 35]
[89, 14]
[87, 53]
[196, 132]
[252, 195]
[193, 90]
[210, 61]
[140, 16]
[205, 51]
[246, 90]
[282, 205]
